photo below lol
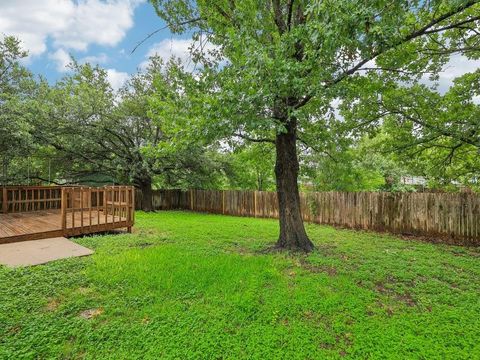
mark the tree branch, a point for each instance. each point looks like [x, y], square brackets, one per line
[258, 140]
[186, 22]
[306, 144]
[413, 35]
[453, 26]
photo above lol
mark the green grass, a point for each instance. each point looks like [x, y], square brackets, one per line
[191, 286]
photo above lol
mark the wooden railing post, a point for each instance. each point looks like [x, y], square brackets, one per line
[64, 210]
[128, 206]
[81, 193]
[105, 210]
[89, 204]
[112, 194]
[4, 200]
[133, 205]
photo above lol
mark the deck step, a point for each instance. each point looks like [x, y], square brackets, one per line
[36, 252]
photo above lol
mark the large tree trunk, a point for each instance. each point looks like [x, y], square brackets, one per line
[292, 232]
[146, 188]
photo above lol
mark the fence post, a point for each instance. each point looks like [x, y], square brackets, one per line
[4, 200]
[191, 199]
[223, 202]
[255, 203]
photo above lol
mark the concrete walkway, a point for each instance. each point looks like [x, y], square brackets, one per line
[35, 252]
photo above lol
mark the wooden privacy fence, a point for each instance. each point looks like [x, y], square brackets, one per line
[450, 217]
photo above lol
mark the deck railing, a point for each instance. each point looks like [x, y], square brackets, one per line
[87, 209]
[80, 209]
[16, 199]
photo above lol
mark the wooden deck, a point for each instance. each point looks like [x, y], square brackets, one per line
[72, 211]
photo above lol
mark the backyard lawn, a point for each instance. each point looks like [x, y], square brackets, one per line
[193, 286]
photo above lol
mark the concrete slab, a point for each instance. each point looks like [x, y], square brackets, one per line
[36, 252]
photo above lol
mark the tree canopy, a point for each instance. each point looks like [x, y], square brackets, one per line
[17, 87]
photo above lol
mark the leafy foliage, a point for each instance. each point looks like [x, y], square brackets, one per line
[436, 135]
[17, 88]
[251, 167]
[97, 131]
[330, 71]
[277, 59]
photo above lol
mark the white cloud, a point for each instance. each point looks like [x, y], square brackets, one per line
[96, 22]
[166, 49]
[101, 58]
[117, 78]
[176, 48]
[61, 58]
[457, 66]
[71, 24]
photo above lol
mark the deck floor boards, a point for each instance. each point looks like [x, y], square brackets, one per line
[25, 223]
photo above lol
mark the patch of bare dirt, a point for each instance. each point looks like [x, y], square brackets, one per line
[91, 313]
[327, 269]
[308, 314]
[388, 309]
[274, 249]
[327, 249]
[405, 297]
[345, 339]
[14, 330]
[52, 305]
[84, 290]
[292, 273]
[441, 239]
[239, 249]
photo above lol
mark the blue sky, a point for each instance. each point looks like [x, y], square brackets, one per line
[118, 56]
[97, 31]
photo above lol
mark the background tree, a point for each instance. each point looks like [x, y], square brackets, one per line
[284, 62]
[437, 135]
[250, 167]
[17, 97]
[96, 132]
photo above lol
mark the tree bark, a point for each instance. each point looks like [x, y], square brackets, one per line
[292, 232]
[146, 188]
